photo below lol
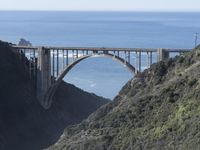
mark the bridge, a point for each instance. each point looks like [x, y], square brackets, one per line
[49, 65]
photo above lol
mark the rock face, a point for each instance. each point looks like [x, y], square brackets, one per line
[24, 42]
[158, 109]
[24, 124]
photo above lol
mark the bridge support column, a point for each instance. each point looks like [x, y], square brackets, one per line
[138, 61]
[43, 74]
[162, 54]
[149, 58]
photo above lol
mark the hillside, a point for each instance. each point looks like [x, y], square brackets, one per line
[158, 109]
[24, 124]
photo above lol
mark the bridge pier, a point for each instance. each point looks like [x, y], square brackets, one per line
[162, 54]
[149, 55]
[43, 74]
[138, 61]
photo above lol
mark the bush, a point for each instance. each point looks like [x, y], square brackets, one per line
[192, 82]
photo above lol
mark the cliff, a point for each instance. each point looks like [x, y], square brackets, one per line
[158, 109]
[24, 124]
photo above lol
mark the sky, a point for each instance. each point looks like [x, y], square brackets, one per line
[102, 5]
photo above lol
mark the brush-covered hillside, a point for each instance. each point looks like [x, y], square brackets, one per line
[24, 124]
[158, 109]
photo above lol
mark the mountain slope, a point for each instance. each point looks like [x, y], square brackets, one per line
[158, 109]
[24, 124]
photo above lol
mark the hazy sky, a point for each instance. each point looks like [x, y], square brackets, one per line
[128, 5]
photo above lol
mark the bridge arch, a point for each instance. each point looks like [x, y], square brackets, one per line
[48, 99]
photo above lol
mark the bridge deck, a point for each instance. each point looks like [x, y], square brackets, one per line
[105, 49]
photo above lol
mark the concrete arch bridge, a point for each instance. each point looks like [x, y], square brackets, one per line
[49, 65]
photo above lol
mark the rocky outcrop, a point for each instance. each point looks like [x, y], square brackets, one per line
[23, 42]
[158, 109]
[24, 124]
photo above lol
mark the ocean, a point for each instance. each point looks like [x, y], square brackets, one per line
[101, 76]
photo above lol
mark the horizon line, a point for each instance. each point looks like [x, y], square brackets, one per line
[54, 10]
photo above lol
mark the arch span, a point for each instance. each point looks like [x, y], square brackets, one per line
[50, 93]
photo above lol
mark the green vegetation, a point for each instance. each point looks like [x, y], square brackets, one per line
[24, 124]
[160, 111]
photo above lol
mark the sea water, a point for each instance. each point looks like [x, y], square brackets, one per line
[101, 76]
